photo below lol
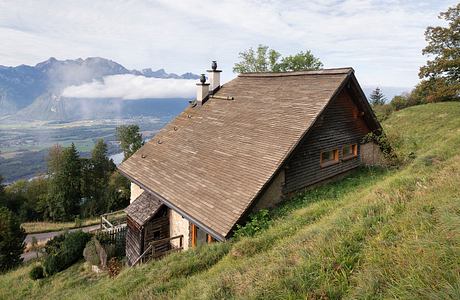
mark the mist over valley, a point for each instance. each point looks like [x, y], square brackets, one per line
[79, 101]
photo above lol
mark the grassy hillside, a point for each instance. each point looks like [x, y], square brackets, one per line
[376, 234]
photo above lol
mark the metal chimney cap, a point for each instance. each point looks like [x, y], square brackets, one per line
[214, 65]
[202, 78]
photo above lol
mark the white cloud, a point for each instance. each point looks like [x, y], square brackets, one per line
[381, 40]
[131, 87]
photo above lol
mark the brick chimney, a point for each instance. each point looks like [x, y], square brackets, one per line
[214, 77]
[202, 90]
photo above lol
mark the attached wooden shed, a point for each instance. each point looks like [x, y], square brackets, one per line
[147, 221]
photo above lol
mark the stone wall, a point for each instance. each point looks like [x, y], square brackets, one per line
[177, 226]
[371, 155]
[273, 194]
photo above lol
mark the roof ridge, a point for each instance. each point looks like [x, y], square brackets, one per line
[332, 71]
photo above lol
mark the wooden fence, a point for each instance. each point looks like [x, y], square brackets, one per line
[113, 219]
[115, 236]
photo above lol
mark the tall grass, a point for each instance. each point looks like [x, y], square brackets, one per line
[376, 234]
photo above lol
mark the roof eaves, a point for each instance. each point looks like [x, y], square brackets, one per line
[173, 207]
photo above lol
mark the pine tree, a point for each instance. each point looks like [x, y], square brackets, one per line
[11, 240]
[64, 194]
[377, 97]
[72, 180]
[99, 170]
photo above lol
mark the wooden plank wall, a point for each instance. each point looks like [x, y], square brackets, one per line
[133, 240]
[340, 124]
[160, 222]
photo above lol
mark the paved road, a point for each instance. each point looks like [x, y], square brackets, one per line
[49, 235]
[43, 237]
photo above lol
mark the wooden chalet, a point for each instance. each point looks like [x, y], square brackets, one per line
[241, 147]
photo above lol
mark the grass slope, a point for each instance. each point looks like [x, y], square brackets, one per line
[375, 234]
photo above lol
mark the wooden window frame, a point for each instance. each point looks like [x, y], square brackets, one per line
[328, 163]
[354, 151]
[209, 238]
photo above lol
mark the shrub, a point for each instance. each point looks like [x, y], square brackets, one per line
[387, 144]
[90, 253]
[399, 102]
[64, 250]
[112, 247]
[37, 273]
[11, 240]
[382, 112]
[78, 222]
[97, 253]
[257, 222]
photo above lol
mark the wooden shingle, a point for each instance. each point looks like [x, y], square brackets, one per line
[212, 161]
[143, 208]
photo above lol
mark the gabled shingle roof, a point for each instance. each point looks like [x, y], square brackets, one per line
[143, 208]
[211, 162]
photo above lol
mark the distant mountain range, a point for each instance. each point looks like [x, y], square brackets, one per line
[34, 92]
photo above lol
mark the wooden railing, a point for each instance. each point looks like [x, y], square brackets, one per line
[150, 252]
[116, 218]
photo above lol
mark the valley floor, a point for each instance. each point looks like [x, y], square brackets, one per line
[376, 234]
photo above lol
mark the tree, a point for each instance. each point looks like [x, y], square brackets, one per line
[303, 61]
[96, 174]
[9, 198]
[377, 97]
[54, 158]
[119, 191]
[11, 240]
[443, 72]
[261, 60]
[264, 59]
[64, 194]
[130, 139]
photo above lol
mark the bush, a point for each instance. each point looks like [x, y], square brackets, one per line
[78, 222]
[11, 240]
[399, 102]
[113, 248]
[90, 253]
[257, 222]
[37, 273]
[97, 253]
[382, 112]
[64, 250]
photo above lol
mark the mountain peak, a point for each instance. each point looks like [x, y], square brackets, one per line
[48, 62]
[21, 86]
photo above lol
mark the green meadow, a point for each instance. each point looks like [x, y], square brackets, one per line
[379, 233]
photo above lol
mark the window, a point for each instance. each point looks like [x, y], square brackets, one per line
[349, 151]
[200, 237]
[329, 157]
[156, 235]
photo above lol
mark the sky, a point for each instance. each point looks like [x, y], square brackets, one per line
[381, 40]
